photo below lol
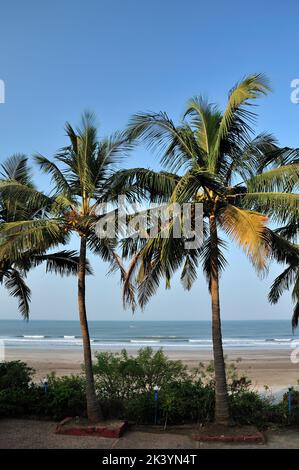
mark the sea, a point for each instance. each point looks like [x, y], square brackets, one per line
[169, 335]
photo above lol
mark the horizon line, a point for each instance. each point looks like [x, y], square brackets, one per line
[130, 321]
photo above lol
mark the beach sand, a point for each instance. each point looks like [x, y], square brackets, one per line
[263, 367]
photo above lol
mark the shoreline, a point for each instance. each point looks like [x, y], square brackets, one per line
[264, 367]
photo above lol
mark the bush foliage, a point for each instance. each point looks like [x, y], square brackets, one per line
[125, 388]
[15, 388]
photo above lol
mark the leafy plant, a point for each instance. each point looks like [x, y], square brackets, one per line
[187, 401]
[125, 389]
[65, 397]
[15, 375]
[249, 408]
[123, 376]
[15, 388]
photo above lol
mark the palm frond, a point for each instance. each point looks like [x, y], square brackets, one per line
[279, 206]
[148, 281]
[16, 286]
[61, 184]
[174, 144]
[295, 317]
[40, 234]
[290, 230]
[278, 156]
[64, 263]
[247, 228]
[16, 168]
[246, 159]
[189, 272]
[281, 250]
[282, 283]
[211, 253]
[21, 192]
[190, 185]
[116, 264]
[110, 153]
[237, 118]
[139, 183]
[250, 88]
[283, 178]
[205, 119]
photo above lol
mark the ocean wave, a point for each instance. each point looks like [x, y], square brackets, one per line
[171, 342]
[34, 336]
[284, 340]
[141, 341]
[165, 336]
[41, 340]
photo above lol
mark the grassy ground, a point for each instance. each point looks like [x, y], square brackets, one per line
[28, 434]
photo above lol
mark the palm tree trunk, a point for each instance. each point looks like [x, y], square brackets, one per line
[94, 413]
[222, 414]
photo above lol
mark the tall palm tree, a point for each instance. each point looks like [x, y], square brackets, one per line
[210, 158]
[81, 174]
[13, 272]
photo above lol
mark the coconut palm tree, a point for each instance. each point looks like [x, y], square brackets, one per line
[210, 158]
[80, 175]
[13, 272]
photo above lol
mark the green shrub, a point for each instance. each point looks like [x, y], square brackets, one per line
[128, 382]
[15, 402]
[248, 407]
[125, 389]
[293, 417]
[20, 397]
[277, 414]
[140, 409]
[122, 377]
[235, 382]
[114, 408]
[15, 388]
[65, 397]
[187, 401]
[15, 375]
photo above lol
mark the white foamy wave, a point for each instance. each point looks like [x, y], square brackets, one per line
[166, 341]
[34, 336]
[141, 341]
[283, 340]
[243, 342]
[42, 340]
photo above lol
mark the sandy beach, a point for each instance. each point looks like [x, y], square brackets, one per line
[264, 367]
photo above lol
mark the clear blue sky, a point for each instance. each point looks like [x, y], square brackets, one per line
[116, 57]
